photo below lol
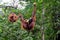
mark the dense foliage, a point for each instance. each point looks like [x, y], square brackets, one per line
[51, 22]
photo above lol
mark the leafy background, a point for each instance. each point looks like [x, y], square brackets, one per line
[51, 22]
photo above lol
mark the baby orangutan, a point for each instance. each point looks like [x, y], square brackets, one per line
[12, 17]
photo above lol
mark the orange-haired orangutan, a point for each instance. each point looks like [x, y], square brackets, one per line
[12, 17]
[28, 24]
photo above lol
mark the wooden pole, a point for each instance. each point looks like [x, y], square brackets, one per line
[42, 27]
